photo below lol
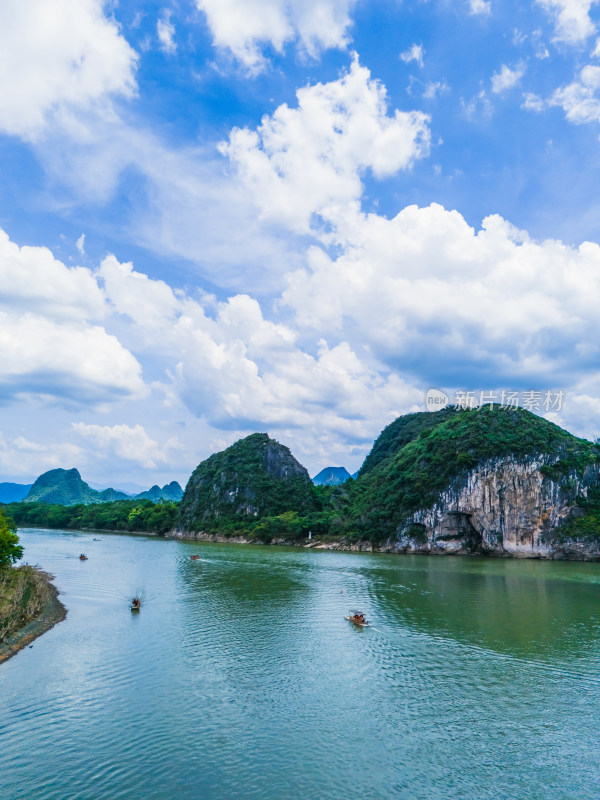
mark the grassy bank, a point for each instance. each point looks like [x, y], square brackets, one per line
[28, 607]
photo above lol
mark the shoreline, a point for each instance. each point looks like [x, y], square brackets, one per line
[572, 551]
[51, 614]
[575, 550]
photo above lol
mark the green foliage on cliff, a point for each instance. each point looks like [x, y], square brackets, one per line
[420, 455]
[253, 479]
[400, 432]
[121, 515]
[10, 549]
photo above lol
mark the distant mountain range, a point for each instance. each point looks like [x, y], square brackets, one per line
[13, 492]
[66, 487]
[331, 476]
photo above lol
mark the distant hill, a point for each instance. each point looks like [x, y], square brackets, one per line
[331, 476]
[170, 491]
[254, 478]
[13, 492]
[65, 487]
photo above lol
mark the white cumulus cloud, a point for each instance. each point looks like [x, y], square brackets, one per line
[50, 341]
[58, 55]
[430, 296]
[131, 443]
[572, 19]
[247, 27]
[579, 99]
[32, 279]
[308, 160]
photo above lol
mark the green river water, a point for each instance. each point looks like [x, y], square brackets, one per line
[240, 677]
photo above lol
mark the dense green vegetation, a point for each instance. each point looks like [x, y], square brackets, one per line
[400, 432]
[120, 515]
[420, 455]
[10, 549]
[239, 488]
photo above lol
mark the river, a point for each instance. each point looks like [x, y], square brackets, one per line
[240, 677]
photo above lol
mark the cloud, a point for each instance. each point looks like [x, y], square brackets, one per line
[145, 301]
[247, 27]
[130, 443]
[20, 457]
[308, 160]
[241, 371]
[434, 88]
[32, 279]
[73, 361]
[414, 53]
[430, 297]
[165, 31]
[58, 56]
[50, 346]
[479, 105]
[572, 22]
[507, 78]
[578, 99]
[80, 244]
[480, 7]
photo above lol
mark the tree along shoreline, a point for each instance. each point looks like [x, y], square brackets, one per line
[119, 516]
[31, 608]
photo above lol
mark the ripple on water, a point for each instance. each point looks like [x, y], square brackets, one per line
[240, 677]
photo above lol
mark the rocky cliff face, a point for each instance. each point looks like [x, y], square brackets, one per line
[504, 506]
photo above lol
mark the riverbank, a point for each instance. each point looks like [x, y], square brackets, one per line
[566, 550]
[30, 607]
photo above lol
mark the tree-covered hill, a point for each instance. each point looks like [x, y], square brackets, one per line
[253, 479]
[66, 487]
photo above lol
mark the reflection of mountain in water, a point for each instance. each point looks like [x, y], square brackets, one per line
[520, 608]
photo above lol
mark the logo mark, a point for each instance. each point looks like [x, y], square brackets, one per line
[435, 399]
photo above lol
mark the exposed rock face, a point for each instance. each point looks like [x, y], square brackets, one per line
[504, 507]
[255, 477]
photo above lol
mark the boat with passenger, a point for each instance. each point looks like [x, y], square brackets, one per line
[136, 603]
[358, 618]
[83, 557]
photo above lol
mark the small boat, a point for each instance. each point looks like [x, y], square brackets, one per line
[136, 604]
[82, 557]
[358, 618]
[194, 558]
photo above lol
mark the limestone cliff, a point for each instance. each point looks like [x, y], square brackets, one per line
[497, 481]
[503, 507]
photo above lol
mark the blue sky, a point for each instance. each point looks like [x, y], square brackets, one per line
[222, 216]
